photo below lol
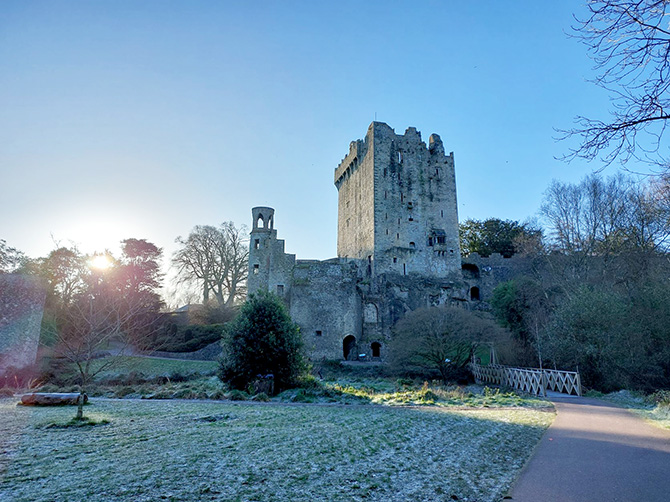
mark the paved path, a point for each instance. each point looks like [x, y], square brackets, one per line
[594, 452]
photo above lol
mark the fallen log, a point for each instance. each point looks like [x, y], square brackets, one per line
[51, 398]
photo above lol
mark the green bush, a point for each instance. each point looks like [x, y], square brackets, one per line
[189, 338]
[238, 395]
[261, 341]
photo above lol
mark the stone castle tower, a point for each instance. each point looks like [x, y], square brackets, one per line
[397, 247]
[397, 204]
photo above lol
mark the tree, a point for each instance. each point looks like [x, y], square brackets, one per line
[441, 339]
[524, 307]
[10, 258]
[493, 235]
[629, 42]
[217, 259]
[64, 270]
[262, 340]
[603, 216]
[96, 317]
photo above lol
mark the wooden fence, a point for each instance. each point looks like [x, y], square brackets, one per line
[532, 380]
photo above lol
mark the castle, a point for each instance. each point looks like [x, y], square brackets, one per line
[397, 248]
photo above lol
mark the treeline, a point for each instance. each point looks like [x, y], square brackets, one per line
[597, 295]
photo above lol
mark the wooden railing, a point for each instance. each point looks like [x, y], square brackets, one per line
[532, 380]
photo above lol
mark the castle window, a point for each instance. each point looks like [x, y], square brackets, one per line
[441, 239]
[260, 223]
[442, 213]
[256, 266]
[318, 332]
[400, 157]
[401, 196]
[410, 205]
[387, 231]
[451, 251]
[412, 245]
[280, 289]
[385, 193]
[437, 172]
[257, 243]
[397, 236]
[385, 172]
[395, 260]
[404, 269]
[411, 219]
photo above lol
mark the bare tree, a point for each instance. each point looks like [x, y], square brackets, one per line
[629, 42]
[607, 216]
[217, 259]
[90, 323]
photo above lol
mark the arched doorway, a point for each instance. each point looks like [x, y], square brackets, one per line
[376, 349]
[474, 294]
[349, 347]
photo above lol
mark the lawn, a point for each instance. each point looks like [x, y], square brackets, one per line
[657, 414]
[193, 450]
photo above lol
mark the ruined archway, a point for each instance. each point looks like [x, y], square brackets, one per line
[349, 347]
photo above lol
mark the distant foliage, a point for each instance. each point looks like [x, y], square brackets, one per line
[10, 258]
[174, 338]
[493, 235]
[262, 340]
[617, 341]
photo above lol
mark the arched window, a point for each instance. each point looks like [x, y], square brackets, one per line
[260, 222]
[370, 313]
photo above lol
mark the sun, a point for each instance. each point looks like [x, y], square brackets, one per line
[100, 262]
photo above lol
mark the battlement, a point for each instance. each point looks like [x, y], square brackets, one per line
[349, 164]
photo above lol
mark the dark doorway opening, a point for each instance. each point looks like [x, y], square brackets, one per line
[474, 293]
[349, 347]
[376, 348]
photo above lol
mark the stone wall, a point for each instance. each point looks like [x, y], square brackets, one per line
[325, 303]
[21, 310]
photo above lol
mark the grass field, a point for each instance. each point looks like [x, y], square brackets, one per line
[189, 451]
[656, 414]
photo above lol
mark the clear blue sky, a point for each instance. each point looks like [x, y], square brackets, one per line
[144, 118]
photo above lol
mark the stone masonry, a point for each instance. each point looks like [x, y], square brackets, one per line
[397, 248]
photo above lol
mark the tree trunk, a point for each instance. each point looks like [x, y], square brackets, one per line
[80, 406]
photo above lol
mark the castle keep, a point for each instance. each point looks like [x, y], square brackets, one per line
[397, 248]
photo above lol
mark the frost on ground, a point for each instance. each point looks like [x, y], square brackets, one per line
[191, 451]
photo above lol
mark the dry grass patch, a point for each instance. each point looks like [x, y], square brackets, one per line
[188, 451]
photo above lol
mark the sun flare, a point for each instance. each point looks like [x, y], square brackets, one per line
[100, 262]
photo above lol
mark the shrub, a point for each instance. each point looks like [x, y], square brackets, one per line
[262, 340]
[238, 395]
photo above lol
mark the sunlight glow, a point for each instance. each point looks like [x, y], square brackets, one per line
[101, 262]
